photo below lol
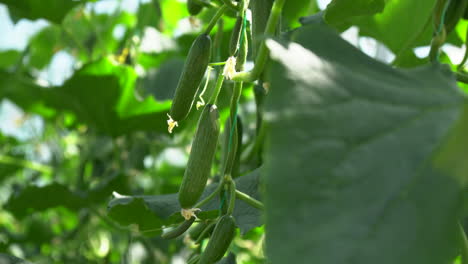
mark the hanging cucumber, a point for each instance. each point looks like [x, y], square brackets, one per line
[179, 230]
[220, 240]
[200, 159]
[192, 75]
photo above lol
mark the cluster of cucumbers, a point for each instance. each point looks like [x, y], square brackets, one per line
[220, 231]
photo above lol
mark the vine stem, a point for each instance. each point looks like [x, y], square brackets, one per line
[215, 19]
[211, 196]
[217, 63]
[217, 90]
[464, 244]
[8, 160]
[439, 37]
[232, 196]
[465, 56]
[262, 56]
[461, 77]
[249, 200]
[230, 4]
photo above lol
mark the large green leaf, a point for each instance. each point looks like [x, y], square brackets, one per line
[152, 212]
[401, 26]
[43, 46]
[52, 10]
[341, 10]
[9, 58]
[364, 162]
[7, 259]
[33, 198]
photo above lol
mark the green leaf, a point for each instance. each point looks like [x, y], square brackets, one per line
[341, 10]
[364, 162]
[9, 58]
[401, 26]
[293, 10]
[162, 83]
[172, 13]
[23, 92]
[7, 169]
[33, 198]
[7, 259]
[152, 212]
[102, 94]
[149, 15]
[43, 46]
[52, 10]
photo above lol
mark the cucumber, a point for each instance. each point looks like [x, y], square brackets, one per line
[193, 7]
[201, 157]
[222, 237]
[179, 230]
[192, 74]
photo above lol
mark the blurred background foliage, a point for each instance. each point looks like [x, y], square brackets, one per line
[84, 91]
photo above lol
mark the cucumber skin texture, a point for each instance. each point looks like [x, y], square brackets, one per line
[201, 157]
[193, 8]
[179, 230]
[192, 74]
[222, 237]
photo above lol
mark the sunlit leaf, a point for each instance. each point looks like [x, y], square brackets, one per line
[361, 157]
[52, 10]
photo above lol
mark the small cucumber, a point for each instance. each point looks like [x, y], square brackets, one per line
[222, 237]
[193, 7]
[179, 230]
[192, 74]
[201, 157]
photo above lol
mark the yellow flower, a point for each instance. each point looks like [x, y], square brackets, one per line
[230, 68]
[171, 124]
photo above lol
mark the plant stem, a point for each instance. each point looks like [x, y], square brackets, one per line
[217, 63]
[461, 77]
[464, 244]
[211, 196]
[230, 4]
[232, 196]
[262, 56]
[215, 19]
[465, 56]
[204, 232]
[249, 200]
[217, 90]
[8, 160]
